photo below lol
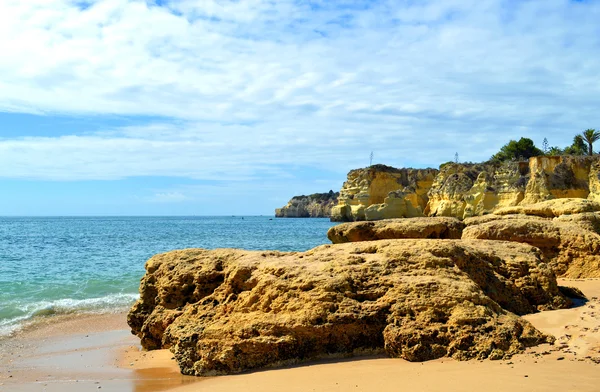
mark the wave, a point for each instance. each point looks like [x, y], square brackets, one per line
[31, 312]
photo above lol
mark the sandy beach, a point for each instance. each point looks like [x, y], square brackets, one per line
[97, 352]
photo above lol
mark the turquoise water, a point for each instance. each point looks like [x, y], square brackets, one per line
[64, 265]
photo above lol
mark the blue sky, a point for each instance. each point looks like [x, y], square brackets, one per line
[218, 107]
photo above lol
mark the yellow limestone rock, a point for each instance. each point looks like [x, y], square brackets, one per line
[396, 204]
[225, 311]
[552, 208]
[372, 185]
[465, 190]
[565, 230]
[434, 227]
[554, 177]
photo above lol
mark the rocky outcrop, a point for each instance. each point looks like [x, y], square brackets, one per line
[565, 230]
[317, 205]
[225, 311]
[463, 190]
[466, 190]
[552, 208]
[441, 228]
[371, 187]
[559, 177]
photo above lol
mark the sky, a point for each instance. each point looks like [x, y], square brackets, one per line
[222, 107]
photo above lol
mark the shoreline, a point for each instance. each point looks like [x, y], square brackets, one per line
[98, 352]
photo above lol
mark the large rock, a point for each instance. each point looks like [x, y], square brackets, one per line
[440, 227]
[569, 247]
[225, 311]
[317, 205]
[552, 208]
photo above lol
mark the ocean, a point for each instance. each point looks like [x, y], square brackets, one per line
[66, 265]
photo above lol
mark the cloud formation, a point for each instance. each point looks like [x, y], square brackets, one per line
[246, 89]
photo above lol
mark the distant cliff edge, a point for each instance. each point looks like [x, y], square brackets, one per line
[317, 205]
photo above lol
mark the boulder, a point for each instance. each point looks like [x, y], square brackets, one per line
[552, 208]
[438, 227]
[226, 311]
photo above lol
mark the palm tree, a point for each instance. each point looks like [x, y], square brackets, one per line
[590, 136]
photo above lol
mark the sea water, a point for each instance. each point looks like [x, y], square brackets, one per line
[61, 265]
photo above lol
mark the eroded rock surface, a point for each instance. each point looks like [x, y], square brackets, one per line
[565, 230]
[371, 186]
[552, 208]
[225, 311]
[465, 190]
[439, 227]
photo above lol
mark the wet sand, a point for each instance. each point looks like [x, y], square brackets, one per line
[99, 353]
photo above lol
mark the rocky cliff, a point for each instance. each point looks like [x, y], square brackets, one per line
[381, 191]
[317, 205]
[464, 190]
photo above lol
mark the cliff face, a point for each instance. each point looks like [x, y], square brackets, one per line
[380, 191]
[464, 190]
[317, 205]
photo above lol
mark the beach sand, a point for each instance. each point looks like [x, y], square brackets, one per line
[97, 352]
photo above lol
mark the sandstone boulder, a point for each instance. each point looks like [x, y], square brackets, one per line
[478, 220]
[225, 311]
[552, 208]
[438, 227]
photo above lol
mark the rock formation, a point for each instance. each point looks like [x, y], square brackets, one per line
[448, 285]
[389, 192]
[317, 205]
[440, 227]
[225, 311]
[465, 190]
[564, 230]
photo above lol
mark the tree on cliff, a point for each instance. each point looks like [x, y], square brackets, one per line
[590, 136]
[555, 150]
[522, 149]
[577, 148]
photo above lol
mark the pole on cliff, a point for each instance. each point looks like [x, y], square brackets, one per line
[371, 159]
[456, 163]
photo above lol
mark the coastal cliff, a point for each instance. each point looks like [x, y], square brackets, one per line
[464, 190]
[380, 191]
[317, 205]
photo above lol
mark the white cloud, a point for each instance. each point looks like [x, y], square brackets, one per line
[167, 197]
[249, 87]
